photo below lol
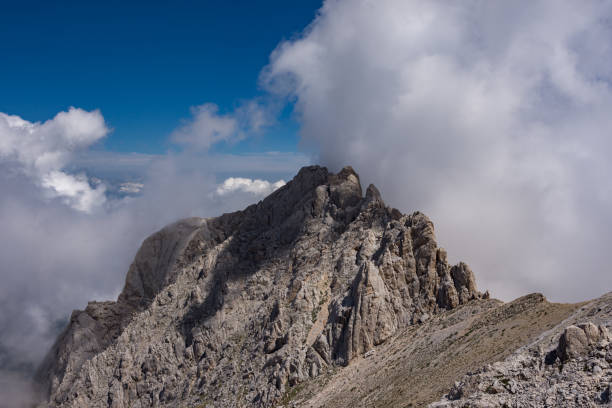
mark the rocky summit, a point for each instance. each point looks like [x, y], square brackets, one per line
[317, 296]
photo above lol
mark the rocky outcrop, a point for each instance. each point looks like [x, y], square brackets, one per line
[92, 330]
[233, 310]
[577, 340]
[569, 366]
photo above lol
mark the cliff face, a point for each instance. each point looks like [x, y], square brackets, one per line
[236, 310]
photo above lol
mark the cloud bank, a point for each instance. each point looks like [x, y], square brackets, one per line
[491, 117]
[66, 240]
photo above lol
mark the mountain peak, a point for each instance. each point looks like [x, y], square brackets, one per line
[312, 277]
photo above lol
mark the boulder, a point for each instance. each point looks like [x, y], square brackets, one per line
[577, 340]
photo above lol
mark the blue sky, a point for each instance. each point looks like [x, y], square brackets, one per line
[144, 64]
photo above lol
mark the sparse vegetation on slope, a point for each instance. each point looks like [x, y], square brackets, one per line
[419, 364]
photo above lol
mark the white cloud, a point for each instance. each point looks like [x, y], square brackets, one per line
[41, 150]
[256, 187]
[43, 147]
[491, 117]
[207, 126]
[131, 187]
[74, 191]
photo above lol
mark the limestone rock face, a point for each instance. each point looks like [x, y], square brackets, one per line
[230, 311]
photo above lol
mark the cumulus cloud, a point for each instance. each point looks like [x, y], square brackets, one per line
[491, 117]
[41, 150]
[74, 190]
[256, 187]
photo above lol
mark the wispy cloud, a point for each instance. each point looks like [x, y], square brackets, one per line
[208, 126]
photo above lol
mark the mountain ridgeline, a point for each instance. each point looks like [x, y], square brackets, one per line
[302, 299]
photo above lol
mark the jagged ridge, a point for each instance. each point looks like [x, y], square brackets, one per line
[236, 308]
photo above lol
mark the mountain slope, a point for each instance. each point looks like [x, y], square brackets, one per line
[236, 310]
[419, 364]
[321, 296]
[569, 365]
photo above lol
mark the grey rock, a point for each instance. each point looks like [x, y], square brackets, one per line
[531, 377]
[592, 332]
[573, 342]
[233, 310]
[604, 333]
